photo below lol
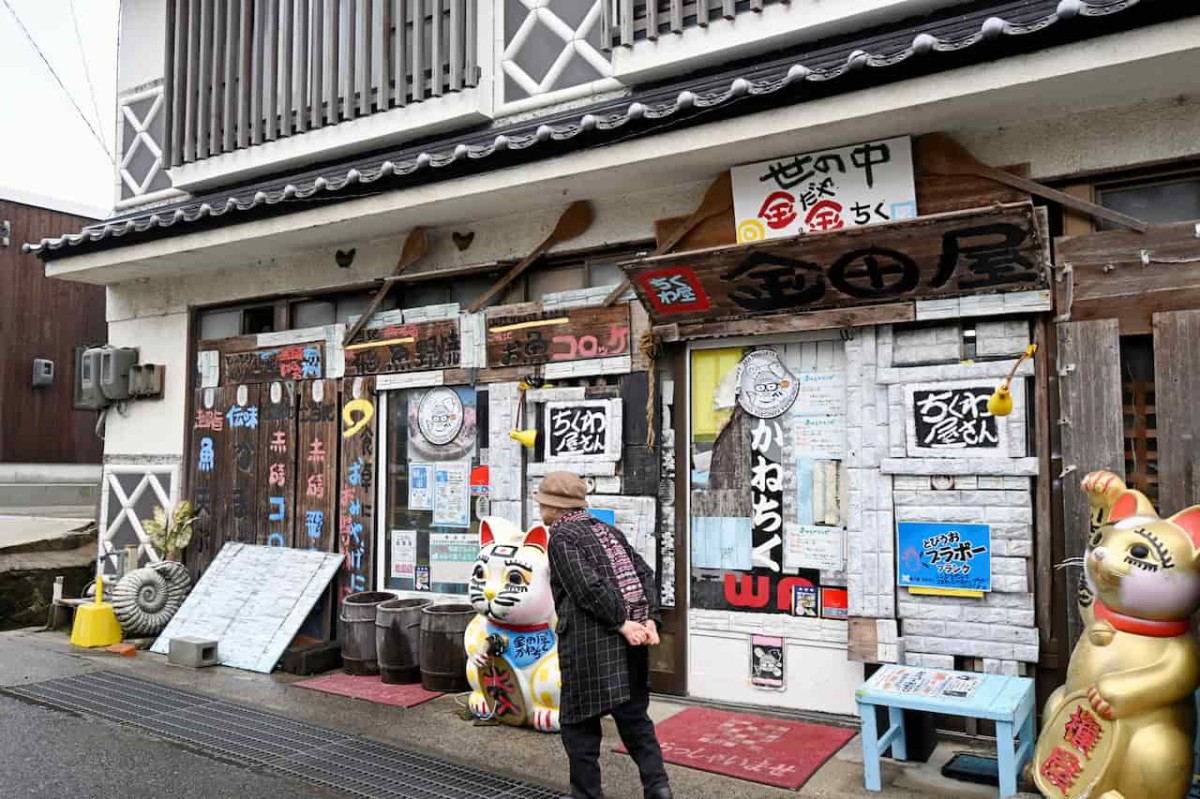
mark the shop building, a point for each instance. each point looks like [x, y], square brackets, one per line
[793, 431]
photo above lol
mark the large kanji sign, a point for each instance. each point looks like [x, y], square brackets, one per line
[980, 251]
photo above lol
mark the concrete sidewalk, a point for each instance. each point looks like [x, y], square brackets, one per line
[435, 729]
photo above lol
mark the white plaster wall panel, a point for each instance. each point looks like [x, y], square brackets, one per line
[235, 276]
[505, 456]
[818, 678]
[142, 56]
[152, 427]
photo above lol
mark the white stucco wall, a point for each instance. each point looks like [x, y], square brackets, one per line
[151, 427]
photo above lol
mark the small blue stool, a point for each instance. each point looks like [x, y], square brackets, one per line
[1007, 701]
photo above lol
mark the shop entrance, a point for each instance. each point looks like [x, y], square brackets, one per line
[767, 498]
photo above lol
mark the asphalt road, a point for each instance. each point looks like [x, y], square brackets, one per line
[50, 754]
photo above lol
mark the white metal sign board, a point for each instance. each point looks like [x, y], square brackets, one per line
[252, 600]
[843, 187]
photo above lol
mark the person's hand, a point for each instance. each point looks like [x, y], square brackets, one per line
[634, 633]
[651, 633]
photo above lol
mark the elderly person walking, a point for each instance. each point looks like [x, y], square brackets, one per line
[607, 617]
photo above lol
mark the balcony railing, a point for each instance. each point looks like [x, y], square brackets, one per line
[246, 72]
[628, 21]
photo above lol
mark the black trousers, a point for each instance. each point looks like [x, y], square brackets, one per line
[582, 739]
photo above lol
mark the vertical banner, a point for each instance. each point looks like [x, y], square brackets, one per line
[316, 465]
[277, 463]
[239, 471]
[204, 470]
[766, 493]
[356, 501]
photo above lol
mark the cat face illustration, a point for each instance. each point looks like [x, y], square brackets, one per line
[510, 582]
[1137, 563]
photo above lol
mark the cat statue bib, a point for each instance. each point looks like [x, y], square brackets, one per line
[1122, 726]
[512, 646]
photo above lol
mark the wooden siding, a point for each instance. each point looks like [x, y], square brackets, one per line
[244, 72]
[43, 318]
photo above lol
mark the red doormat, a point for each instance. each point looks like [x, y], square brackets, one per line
[764, 750]
[372, 689]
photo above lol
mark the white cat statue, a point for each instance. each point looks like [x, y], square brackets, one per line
[512, 652]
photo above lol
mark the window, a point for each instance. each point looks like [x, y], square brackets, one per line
[220, 324]
[432, 532]
[1158, 202]
[313, 313]
[258, 320]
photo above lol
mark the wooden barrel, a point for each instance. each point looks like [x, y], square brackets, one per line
[358, 631]
[443, 654]
[398, 639]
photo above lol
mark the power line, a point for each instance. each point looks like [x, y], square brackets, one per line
[61, 85]
[87, 72]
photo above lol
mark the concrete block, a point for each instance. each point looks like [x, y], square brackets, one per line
[192, 652]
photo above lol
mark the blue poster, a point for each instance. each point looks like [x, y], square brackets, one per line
[947, 556]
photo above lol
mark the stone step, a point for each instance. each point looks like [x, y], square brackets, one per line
[43, 495]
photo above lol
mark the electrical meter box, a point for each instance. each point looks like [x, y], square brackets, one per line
[115, 364]
[87, 379]
[43, 373]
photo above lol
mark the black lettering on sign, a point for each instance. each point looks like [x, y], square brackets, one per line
[954, 418]
[581, 430]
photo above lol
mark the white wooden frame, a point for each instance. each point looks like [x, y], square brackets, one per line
[150, 474]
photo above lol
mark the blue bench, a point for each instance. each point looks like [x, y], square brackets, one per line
[1007, 701]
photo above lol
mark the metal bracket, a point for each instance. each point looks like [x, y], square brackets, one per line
[1066, 470]
[1066, 369]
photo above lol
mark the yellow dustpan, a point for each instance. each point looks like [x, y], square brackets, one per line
[96, 624]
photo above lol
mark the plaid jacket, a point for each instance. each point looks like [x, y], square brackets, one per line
[592, 654]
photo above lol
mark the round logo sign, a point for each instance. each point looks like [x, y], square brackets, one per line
[766, 389]
[440, 416]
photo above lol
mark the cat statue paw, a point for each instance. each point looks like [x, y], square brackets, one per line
[1122, 726]
[512, 646]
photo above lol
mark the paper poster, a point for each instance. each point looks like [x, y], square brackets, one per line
[814, 547]
[722, 542]
[862, 184]
[420, 486]
[941, 555]
[912, 681]
[404, 553]
[835, 604]
[452, 557]
[820, 394]
[422, 578]
[449, 416]
[766, 661]
[451, 495]
[819, 437]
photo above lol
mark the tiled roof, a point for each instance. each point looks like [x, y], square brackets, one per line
[932, 44]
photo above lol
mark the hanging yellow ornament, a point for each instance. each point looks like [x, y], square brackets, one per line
[1001, 401]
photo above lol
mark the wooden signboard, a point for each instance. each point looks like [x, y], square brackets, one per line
[277, 463]
[316, 465]
[298, 362]
[356, 500]
[978, 251]
[555, 336]
[239, 466]
[415, 347]
[208, 430]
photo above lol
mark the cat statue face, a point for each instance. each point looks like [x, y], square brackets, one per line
[1138, 564]
[510, 583]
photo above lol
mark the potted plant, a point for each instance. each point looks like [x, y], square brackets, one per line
[171, 533]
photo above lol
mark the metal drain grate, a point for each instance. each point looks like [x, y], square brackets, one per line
[249, 737]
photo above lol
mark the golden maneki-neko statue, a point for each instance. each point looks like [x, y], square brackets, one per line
[1123, 725]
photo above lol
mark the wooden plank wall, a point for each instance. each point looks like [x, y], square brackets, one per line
[1177, 387]
[43, 318]
[317, 466]
[240, 483]
[356, 501]
[277, 464]
[1089, 366]
[204, 485]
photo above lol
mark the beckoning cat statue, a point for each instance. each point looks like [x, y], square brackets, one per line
[512, 646]
[1122, 726]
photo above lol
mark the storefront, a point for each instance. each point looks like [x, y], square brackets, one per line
[792, 430]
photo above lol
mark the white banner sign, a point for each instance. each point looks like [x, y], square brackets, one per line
[845, 187]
